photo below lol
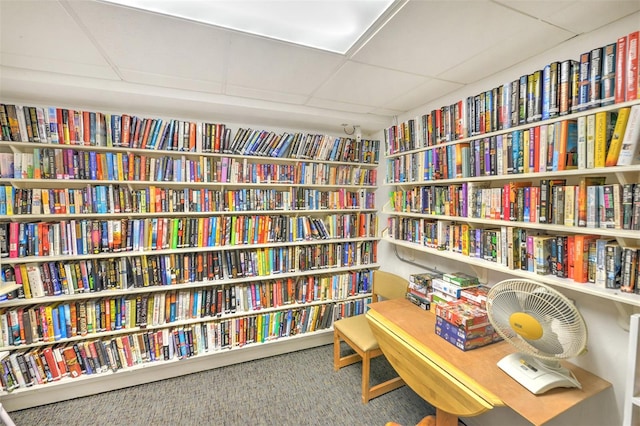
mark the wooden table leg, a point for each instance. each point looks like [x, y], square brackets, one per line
[445, 419]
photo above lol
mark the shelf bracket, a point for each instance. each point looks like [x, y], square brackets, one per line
[626, 177]
[624, 313]
[481, 273]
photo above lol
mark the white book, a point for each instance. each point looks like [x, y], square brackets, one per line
[582, 142]
[22, 123]
[35, 280]
[629, 153]
[544, 132]
[42, 126]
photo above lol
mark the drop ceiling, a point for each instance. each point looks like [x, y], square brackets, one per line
[108, 57]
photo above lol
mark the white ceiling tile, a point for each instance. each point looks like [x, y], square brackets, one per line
[367, 85]
[387, 112]
[515, 47]
[576, 16]
[165, 80]
[156, 44]
[263, 94]
[339, 106]
[257, 62]
[33, 32]
[423, 94]
[58, 65]
[429, 37]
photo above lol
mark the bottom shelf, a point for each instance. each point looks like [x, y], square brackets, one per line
[86, 385]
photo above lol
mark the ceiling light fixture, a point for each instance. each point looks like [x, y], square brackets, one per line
[334, 25]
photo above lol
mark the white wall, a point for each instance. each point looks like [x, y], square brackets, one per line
[607, 339]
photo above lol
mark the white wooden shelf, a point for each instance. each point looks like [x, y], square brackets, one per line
[586, 288]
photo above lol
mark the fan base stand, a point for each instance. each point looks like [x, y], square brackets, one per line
[536, 376]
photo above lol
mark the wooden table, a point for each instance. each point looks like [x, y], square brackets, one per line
[458, 383]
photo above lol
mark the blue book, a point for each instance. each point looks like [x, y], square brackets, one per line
[517, 154]
[55, 317]
[283, 147]
[112, 166]
[63, 322]
[546, 91]
[3, 199]
[55, 279]
[93, 165]
[154, 134]
[183, 344]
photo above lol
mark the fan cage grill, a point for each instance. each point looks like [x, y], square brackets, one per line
[564, 329]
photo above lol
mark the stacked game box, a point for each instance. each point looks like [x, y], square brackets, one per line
[447, 287]
[420, 288]
[464, 325]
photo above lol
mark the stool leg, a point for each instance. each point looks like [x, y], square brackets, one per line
[366, 364]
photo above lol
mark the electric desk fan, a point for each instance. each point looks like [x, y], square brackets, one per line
[544, 326]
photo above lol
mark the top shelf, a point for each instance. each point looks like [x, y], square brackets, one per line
[530, 125]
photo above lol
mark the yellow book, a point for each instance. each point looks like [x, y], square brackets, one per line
[603, 122]
[151, 206]
[8, 189]
[120, 166]
[25, 281]
[48, 315]
[616, 139]
[590, 140]
[201, 232]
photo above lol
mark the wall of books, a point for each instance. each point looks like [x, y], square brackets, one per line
[538, 177]
[137, 241]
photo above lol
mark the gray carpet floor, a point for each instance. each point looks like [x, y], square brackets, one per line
[298, 388]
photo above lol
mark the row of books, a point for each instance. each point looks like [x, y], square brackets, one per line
[565, 256]
[75, 127]
[109, 199]
[304, 146]
[601, 76]
[39, 366]
[603, 139]
[95, 275]
[591, 203]
[62, 163]
[84, 236]
[57, 321]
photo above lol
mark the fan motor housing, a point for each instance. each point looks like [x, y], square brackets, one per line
[526, 325]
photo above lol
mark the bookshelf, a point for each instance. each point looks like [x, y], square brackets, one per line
[143, 258]
[468, 183]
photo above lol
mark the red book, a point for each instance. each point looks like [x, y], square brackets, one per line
[86, 128]
[581, 257]
[145, 135]
[192, 136]
[535, 133]
[621, 70]
[126, 347]
[219, 129]
[125, 130]
[136, 132]
[632, 65]
[571, 249]
[14, 238]
[71, 362]
[51, 363]
[59, 120]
